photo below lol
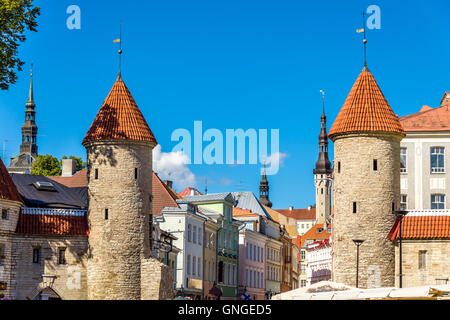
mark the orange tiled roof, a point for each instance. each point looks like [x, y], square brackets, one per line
[422, 227]
[314, 235]
[428, 119]
[187, 192]
[119, 118]
[366, 110]
[59, 225]
[298, 214]
[163, 196]
[8, 190]
[238, 212]
[78, 180]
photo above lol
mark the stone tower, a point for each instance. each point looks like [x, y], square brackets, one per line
[366, 136]
[119, 148]
[28, 148]
[322, 178]
[264, 190]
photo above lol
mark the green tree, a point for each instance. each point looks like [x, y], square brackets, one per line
[80, 164]
[47, 165]
[16, 17]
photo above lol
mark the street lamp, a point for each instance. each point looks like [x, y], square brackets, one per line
[400, 214]
[358, 244]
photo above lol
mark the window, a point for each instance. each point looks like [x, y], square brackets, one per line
[199, 265]
[251, 278]
[403, 161]
[2, 254]
[194, 235]
[437, 160]
[221, 272]
[262, 254]
[246, 250]
[262, 279]
[250, 254]
[339, 167]
[62, 256]
[194, 264]
[303, 283]
[437, 201]
[106, 214]
[36, 255]
[5, 215]
[96, 174]
[422, 259]
[135, 173]
[234, 274]
[199, 236]
[189, 232]
[354, 207]
[403, 202]
[375, 165]
[189, 264]
[246, 277]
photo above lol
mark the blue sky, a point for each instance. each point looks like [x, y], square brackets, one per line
[231, 64]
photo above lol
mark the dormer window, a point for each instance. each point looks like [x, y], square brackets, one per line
[44, 186]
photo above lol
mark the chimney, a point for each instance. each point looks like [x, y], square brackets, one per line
[291, 208]
[309, 207]
[69, 167]
[168, 183]
[192, 192]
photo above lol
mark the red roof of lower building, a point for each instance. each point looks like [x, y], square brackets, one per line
[428, 119]
[317, 232]
[78, 180]
[163, 196]
[55, 225]
[422, 227]
[8, 190]
[190, 192]
[298, 214]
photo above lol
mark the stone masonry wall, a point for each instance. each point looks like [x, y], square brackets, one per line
[67, 280]
[117, 245]
[374, 192]
[437, 262]
[157, 281]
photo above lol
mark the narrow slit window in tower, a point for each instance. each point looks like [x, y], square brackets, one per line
[106, 214]
[354, 207]
[339, 167]
[135, 173]
[375, 165]
[96, 174]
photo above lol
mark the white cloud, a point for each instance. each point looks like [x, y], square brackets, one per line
[274, 161]
[173, 166]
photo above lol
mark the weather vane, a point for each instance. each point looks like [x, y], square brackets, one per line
[323, 98]
[363, 30]
[119, 41]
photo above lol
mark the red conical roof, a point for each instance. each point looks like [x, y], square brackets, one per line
[119, 118]
[366, 110]
[8, 190]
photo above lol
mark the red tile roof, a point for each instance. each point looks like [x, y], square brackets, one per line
[163, 196]
[238, 212]
[187, 192]
[78, 180]
[314, 235]
[298, 214]
[422, 227]
[8, 190]
[428, 119]
[119, 118]
[58, 225]
[366, 110]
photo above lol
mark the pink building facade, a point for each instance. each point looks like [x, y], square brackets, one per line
[252, 264]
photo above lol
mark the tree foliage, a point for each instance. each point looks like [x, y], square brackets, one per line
[16, 17]
[50, 166]
[47, 165]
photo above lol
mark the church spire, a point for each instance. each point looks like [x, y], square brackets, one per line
[323, 165]
[30, 101]
[264, 189]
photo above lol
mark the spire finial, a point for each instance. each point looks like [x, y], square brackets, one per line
[119, 41]
[30, 94]
[364, 40]
[323, 99]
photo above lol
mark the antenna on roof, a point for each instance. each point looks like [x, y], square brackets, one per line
[206, 186]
